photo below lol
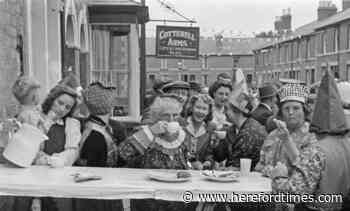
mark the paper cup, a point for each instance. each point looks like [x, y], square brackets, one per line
[245, 166]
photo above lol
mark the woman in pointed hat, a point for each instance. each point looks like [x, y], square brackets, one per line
[322, 167]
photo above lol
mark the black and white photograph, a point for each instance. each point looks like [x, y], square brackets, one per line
[174, 105]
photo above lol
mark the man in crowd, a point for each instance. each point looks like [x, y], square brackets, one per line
[268, 100]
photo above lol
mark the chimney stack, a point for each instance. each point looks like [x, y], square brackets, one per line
[346, 4]
[325, 10]
[278, 24]
[286, 20]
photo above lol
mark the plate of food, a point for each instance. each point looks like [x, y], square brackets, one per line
[221, 176]
[180, 176]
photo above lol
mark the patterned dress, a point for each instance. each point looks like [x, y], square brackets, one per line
[306, 176]
[273, 151]
[198, 142]
[154, 152]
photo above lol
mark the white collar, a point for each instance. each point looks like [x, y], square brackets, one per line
[174, 144]
[191, 130]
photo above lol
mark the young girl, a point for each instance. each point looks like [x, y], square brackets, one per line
[199, 131]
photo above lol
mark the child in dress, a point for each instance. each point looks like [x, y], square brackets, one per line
[26, 91]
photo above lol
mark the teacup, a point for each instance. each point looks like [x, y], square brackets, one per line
[221, 134]
[173, 127]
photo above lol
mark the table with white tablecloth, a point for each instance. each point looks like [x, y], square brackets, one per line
[116, 183]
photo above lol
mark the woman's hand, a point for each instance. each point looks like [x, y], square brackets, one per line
[159, 128]
[197, 165]
[283, 131]
[280, 170]
[42, 159]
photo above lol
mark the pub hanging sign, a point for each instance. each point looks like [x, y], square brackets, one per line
[177, 42]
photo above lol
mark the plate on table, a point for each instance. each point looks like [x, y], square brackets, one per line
[181, 176]
[221, 176]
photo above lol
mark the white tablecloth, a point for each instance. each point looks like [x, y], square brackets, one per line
[116, 183]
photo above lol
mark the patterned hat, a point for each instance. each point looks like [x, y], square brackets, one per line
[294, 92]
[22, 86]
[99, 99]
[241, 102]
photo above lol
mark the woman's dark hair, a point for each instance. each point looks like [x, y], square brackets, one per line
[217, 85]
[192, 101]
[306, 110]
[53, 95]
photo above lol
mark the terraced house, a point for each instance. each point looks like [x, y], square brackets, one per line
[307, 52]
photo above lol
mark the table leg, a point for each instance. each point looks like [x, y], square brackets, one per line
[126, 205]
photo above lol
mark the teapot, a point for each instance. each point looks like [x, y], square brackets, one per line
[24, 145]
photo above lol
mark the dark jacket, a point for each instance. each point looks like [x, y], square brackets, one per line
[261, 114]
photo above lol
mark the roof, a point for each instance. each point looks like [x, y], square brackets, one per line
[339, 17]
[306, 29]
[310, 28]
[299, 32]
[235, 46]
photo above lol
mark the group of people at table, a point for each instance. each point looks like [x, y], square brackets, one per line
[302, 150]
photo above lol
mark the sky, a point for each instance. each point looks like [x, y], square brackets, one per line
[233, 17]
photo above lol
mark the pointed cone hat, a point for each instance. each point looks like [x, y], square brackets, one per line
[329, 116]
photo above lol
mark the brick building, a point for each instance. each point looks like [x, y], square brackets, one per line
[216, 56]
[311, 49]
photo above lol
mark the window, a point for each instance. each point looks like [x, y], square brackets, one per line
[308, 49]
[203, 62]
[192, 77]
[110, 61]
[184, 77]
[336, 44]
[205, 80]
[335, 71]
[324, 43]
[163, 64]
[348, 72]
[348, 37]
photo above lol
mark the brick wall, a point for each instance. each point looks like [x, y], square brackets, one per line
[11, 25]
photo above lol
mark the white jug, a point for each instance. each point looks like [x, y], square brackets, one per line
[24, 145]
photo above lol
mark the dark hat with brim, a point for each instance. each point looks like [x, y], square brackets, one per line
[267, 91]
[176, 85]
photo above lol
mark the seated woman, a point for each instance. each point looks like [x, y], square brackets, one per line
[277, 144]
[199, 131]
[98, 147]
[63, 144]
[158, 146]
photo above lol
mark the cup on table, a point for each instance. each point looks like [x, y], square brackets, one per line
[245, 164]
